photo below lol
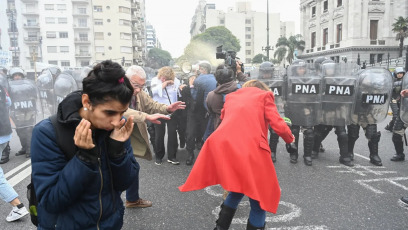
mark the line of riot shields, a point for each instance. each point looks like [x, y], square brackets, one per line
[33, 100]
[336, 94]
[404, 101]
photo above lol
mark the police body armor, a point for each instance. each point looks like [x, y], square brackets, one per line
[45, 85]
[24, 95]
[338, 93]
[373, 95]
[303, 96]
[64, 84]
[404, 101]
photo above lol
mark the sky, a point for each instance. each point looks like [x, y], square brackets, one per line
[172, 18]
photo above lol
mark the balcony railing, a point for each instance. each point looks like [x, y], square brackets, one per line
[31, 39]
[32, 26]
[83, 54]
[377, 42]
[337, 45]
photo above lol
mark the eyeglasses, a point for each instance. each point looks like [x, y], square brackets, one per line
[137, 86]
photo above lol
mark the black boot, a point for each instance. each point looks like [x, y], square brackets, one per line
[273, 156]
[6, 153]
[308, 141]
[22, 151]
[225, 217]
[342, 140]
[373, 147]
[251, 227]
[351, 148]
[399, 148]
[190, 158]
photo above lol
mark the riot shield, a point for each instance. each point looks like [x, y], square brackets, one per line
[80, 75]
[303, 95]
[373, 95]
[338, 92]
[24, 95]
[4, 81]
[64, 84]
[45, 85]
[404, 101]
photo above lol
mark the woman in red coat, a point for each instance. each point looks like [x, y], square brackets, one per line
[237, 155]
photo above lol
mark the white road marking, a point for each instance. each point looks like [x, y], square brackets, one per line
[310, 227]
[20, 176]
[16, 169]
[365, 184]
[355, 154]
[362, 170]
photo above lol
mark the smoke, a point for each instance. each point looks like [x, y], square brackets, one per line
[197, 51]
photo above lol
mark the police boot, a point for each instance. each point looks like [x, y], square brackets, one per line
[273, 156]
[190, 158]
[308, 142]
[350, 148]
[6, 153]
[345, 158]
[390, 125]
[22, 151]
[373, 146]
[225, 217]
[251, 227]
[399, 148]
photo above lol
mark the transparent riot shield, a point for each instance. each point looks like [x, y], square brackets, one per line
[373, 95]
[404, 101]
[303, 95]
[64, 85]
[338, 93]
[80, 75]
[45, 85]
[24, 95]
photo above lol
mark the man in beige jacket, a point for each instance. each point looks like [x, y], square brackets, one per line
[143, 108]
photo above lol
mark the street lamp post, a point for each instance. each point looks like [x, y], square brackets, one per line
[267, 30]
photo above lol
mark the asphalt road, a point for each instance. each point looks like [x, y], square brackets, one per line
[326, 195]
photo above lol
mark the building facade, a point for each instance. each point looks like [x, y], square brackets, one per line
[348, 29]
[247, 25]
[74, 33]
[151, 38]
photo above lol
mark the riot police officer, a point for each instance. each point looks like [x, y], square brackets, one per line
[372, 101]
[337, 101]
[5, 85]
[23, 94]
[398, 129]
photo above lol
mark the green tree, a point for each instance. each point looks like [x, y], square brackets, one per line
[400, 27]
[203, 46]
[157, 58]
[287, 46]
[259, 58]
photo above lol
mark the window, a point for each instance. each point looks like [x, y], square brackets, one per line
[325, 6]
[98, 8]
[64, 49]
[49, 6]
[53, 62]
[51, 34]
[222, 21]
[339, 33]
[98, 35]
[83, 37]
[62, 20]
[32, 36]
[313, 40]
[313, 11]
[124, 10]
[82, 10]
[82, 22]
[51, 49]
[379, 57]
[247, 21]
[61, 6]
[248, 36]
[30, 7]
[248, 29]
[373, 29]
[124, 22]
[31, 22]
[63, 34]
[99, 49]
[65, 63]
[325, 36]
[49, 20]
[84, 63]
[13, 42]
[247, 43]
[84, 50]
[98, 22]
[372, 58]
[248, 52]
[248, 60]
[339, 3]
[125, 36]
[125, 49]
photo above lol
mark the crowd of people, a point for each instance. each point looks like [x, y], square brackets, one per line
[110, 118]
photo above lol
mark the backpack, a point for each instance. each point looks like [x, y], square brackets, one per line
[65, 143]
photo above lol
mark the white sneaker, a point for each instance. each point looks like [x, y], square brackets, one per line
[16, 213]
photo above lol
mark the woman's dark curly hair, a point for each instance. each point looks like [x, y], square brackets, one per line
[107, 82]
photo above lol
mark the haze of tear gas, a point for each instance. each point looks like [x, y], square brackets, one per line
[172, 19]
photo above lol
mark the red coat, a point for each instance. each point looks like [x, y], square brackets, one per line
[237, 155]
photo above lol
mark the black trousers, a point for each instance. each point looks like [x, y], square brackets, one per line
[24, 134]
[172, 144]
[196, 125]
[181, 117]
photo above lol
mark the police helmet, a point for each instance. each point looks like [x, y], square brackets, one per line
[399, 70]
[318, 62]
[55, 71]
[16, 71]
[3, 70]
[328, 66]
[297, 64]
[266, 70]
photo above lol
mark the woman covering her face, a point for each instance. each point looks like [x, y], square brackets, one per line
[78, 183]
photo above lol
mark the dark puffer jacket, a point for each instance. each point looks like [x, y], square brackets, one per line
[75, 194]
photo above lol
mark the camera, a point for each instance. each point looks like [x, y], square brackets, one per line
[230, 58]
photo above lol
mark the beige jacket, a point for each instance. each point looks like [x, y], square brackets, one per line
[140, 139]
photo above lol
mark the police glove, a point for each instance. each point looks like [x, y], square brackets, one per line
[88, 155]
[291, 147]
[116, 149]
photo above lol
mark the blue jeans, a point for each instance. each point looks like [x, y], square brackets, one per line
[256, 215]
[7, 193]
[132, 193]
